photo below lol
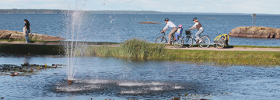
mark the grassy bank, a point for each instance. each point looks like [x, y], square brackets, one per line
[227, 57]
[139, 49]
[142, 50]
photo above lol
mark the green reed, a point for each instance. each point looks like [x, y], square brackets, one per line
[133, 49]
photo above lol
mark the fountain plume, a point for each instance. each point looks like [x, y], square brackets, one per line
[73, 21]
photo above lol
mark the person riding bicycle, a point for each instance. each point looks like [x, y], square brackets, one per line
[173, 26]
[179, 32]
[199, 28]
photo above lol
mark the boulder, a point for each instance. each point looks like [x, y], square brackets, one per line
[255, 32]
[6, 34]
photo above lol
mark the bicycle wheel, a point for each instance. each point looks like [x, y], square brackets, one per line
[179, 43]
[220, 44]
[161, 41]
[204, 42]
[189, 42]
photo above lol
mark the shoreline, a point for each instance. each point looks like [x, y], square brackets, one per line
[131, 49]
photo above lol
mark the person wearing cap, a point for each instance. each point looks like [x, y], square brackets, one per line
[179, 32]
[26, 30]
[173, 26]
[199, 28]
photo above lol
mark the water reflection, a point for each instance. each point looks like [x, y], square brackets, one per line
[26, 60]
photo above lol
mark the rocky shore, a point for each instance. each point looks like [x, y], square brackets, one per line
[255, 32]
[6, 34]
[24, 69]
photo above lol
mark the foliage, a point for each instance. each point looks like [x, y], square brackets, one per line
[133, 48]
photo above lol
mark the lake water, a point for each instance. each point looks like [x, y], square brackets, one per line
[120, 27]
[119, 79]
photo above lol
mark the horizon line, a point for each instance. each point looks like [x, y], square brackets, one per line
[158, 12]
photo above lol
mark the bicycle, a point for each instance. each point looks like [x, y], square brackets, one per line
[161, 40]
[204, 41]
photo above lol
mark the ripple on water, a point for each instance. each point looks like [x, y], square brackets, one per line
[124, 87]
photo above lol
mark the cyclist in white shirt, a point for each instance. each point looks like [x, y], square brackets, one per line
[199, 28]
[174, 29]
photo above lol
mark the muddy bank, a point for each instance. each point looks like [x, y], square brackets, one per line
[255, 32]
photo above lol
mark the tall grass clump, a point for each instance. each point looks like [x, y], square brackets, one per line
[133, 49]
[139, 49]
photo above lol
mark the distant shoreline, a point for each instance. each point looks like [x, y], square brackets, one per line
[57, 11]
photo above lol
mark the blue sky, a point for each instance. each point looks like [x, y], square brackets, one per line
[208, 6]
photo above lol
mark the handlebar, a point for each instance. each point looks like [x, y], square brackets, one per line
[162, 33]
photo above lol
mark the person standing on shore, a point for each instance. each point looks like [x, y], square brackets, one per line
[199, 28]
[173, 26]
[26, 30]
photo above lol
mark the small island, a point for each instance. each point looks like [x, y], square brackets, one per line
[149, 22]
[255, 32]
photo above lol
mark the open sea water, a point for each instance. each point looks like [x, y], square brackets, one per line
[121, 27]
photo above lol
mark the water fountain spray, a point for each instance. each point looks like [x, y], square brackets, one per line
[74, 18]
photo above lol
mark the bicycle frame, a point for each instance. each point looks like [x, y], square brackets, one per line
[178, 43]
[190, 36]
[204, 40]
[172, 40]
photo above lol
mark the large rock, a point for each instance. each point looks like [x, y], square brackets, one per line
[6, 34]
[255, 32]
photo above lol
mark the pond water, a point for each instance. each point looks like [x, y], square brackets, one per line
[112, 78]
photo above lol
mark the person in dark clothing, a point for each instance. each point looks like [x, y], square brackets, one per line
[27, 27]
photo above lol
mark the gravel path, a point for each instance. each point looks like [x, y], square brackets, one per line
[228, 49]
